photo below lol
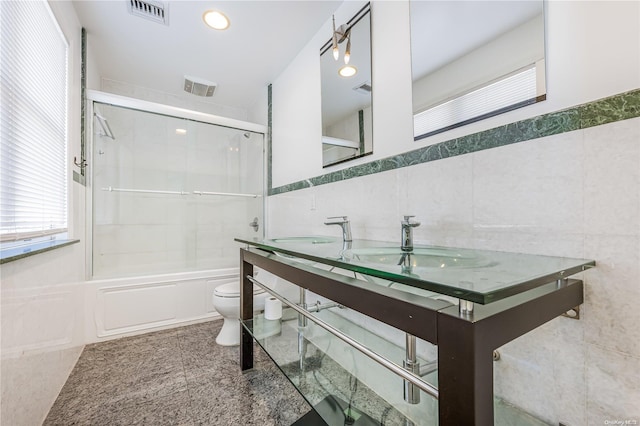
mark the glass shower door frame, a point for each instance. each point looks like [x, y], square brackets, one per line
[160, 109]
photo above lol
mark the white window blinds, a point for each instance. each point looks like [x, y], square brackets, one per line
[33, 122]
[504, 93]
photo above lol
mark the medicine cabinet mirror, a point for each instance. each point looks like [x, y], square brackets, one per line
[474, 59]
[347, 125]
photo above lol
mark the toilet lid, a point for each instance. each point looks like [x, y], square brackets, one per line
[233, 290]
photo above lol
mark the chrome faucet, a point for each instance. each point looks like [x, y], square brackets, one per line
[407, 233]
[344, 223]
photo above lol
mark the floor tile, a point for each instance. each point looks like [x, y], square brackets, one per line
[174, 377]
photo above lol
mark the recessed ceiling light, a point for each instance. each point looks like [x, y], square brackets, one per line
[348, 71]
[216, 20]
[181, 131]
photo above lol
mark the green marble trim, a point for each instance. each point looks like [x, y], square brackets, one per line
[361, 130]
[269, 136]
[608, 110]
[83, 106]
[17, 253]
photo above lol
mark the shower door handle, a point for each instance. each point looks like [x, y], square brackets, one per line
[255, 224]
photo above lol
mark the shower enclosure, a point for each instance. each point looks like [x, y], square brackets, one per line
[170, 188]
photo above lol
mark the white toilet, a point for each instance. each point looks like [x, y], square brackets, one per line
[226, 301]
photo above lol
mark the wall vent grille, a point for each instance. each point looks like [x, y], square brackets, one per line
[153, 10]
[364, 88]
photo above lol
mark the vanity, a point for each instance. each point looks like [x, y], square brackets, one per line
[466, 302]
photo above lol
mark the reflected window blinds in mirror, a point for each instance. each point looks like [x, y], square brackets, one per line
[474, 59]
[345, 61]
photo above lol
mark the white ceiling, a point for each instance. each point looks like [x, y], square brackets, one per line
[264, 37]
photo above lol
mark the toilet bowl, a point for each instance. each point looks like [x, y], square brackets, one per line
[226, 301]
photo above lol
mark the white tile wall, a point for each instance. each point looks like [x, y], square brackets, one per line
[612, 386]
[42, 337]
[575, 194]
[612, 179]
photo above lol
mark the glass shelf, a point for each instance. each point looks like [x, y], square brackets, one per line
[343, 385]
[479, 276]
[336, 380]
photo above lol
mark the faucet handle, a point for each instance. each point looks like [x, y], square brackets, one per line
[344, 224]
[344, 218]
[407, 221]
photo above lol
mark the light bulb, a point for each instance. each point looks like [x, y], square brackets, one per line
[347, 53]
[336, 51]
[216, 20]
[348, 71]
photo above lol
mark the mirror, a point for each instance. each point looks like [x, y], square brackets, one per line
[347, 126]
[474, 59]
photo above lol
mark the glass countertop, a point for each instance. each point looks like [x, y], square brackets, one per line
[480, 276]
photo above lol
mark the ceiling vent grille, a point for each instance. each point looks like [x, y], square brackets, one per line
[156, 11]
[198, 86]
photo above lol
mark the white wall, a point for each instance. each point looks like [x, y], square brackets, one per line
[42, 295]
[591, 53]
[575, 194]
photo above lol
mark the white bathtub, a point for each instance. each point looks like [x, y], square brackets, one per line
[127, 306]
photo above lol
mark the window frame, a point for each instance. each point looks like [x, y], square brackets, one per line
[25, 241]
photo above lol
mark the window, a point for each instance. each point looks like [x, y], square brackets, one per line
[33, 122]
[510, 92]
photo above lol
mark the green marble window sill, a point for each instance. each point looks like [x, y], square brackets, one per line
[11, 254]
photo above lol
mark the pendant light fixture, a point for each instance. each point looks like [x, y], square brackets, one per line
[342, 33]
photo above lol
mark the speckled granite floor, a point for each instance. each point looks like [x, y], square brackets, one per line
[174, 377]
[182, 377]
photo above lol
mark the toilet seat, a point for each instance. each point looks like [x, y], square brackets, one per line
[233, 290]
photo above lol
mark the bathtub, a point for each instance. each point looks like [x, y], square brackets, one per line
[127, 306]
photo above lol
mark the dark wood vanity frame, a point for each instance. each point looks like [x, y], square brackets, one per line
[465, 342]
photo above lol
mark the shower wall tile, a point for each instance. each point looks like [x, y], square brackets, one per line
[150, 178]
[612, 176]
[211, 236]
[148, 210]
[176, 209]
[126, 264]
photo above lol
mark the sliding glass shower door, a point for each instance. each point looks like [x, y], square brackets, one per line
[171, 194]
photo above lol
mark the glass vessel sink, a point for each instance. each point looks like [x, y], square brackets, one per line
[305, 239]
[475, 275]
[432, 257]
[301, 240]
